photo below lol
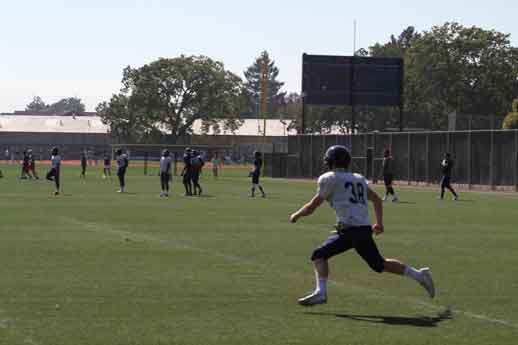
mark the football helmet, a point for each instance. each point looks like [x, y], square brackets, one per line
[337, 156]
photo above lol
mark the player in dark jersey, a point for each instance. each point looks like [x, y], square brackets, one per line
[196, 165]
[256, 173]
[84, 164]
[122, 166]
[446, 167]
[32, 165]
[25, 166]
[187, 172]
[388, 175]
[107, 166]
[55, 170]
[348, 194]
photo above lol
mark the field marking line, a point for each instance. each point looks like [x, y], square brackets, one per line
[104, 228]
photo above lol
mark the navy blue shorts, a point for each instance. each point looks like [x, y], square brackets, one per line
[255, 177]
[359, 238]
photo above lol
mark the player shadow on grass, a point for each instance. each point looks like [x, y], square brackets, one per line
[417, 321]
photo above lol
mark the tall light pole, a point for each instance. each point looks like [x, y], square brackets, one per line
[264, 93]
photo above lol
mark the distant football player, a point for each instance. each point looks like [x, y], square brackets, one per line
[388, 175]
[107, 166]
[24, 174]
[55, 169]
[256, 173]
[216, 162]
[122, 166]
[446, 168]
[196, 166]
[348, 194]
[32, 165]
[84, 164]
[165, 172]
[187, 171]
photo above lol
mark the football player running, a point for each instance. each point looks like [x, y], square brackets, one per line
[165, 172]
[55, 169]
[348, 194]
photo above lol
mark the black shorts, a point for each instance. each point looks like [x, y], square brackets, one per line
[359, 238]
[388, 178]
[195, 177]
[445, 181]
[187, 177]
[255, 177]
[121, 171]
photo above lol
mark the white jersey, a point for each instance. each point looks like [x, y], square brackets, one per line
[165, 165]
[55, 161]
[122, 161]
[347, 194]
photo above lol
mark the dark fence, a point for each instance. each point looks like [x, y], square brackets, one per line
[485, 158]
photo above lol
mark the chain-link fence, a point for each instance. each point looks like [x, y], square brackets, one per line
[482, 158]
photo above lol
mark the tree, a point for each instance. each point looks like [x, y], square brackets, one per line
[396, 47]
[511, 120]
[253, 85]
[467, 70]
[66, 105]
[169, 95]
[37, 105]
[124, 123]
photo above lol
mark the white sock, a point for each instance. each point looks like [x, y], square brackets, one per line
[321, 286]
[412, 273]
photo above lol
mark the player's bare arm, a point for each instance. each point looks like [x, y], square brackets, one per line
[307, 209]
[378, 211]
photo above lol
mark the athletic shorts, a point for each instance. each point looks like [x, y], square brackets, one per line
[255, 177]
[388, 178]
[187, 177]
[445, 181]
[359, 238]
[195, 177]
[121, 171]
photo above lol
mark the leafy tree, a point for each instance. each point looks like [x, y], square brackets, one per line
[467, 70]
[169, 95]
[65, 105]
[125, 124]
[37, 105]
[511, 120]
[253, 85]
[396, 47]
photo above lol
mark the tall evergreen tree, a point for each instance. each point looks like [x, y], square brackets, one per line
[253, 86]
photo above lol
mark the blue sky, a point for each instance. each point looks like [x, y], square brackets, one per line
[56, 48]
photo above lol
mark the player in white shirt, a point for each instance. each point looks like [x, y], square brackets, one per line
[348, 193]
[55, 169]
[165, 172]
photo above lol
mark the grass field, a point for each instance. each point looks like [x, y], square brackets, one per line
[96, 267]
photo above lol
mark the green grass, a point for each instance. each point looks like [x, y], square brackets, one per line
[96, 267]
